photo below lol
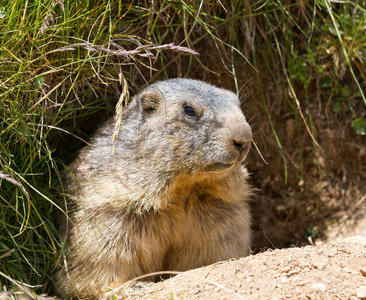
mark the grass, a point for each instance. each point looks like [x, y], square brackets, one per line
[63, 62]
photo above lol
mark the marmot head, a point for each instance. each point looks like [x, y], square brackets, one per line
[188, 127]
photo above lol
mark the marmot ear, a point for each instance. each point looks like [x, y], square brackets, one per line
[150, 100]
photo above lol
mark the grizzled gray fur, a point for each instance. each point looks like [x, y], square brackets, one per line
[173, 196]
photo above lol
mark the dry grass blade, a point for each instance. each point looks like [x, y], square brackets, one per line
[15, 182]
[119, 291]
[123, 100]
[143, 51]
[115, 292]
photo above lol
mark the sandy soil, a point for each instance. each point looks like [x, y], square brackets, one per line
[336, 270]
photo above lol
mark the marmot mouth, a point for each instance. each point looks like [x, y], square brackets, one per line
[219, 167]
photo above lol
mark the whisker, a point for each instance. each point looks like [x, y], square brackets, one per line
[256, 115]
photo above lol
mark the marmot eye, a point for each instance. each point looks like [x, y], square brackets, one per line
[189, 111]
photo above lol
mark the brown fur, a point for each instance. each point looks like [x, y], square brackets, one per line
[172, 197]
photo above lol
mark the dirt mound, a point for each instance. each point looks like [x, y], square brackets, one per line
[336, 270]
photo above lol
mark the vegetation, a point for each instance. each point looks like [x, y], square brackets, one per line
[63, 62]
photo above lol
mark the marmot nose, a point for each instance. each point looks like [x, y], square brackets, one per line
[242, 145]
[241, 139]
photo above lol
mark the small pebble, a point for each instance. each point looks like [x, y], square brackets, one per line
[319, 287]
[347, 270]
[286, 269]
[361, 292]
[295, 271]
[281, 208]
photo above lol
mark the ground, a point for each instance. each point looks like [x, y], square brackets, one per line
[336, 270]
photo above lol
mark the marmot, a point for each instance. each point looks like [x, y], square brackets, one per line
[173, 196]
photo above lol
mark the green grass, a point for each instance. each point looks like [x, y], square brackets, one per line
[63, 62]
[59, 65]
